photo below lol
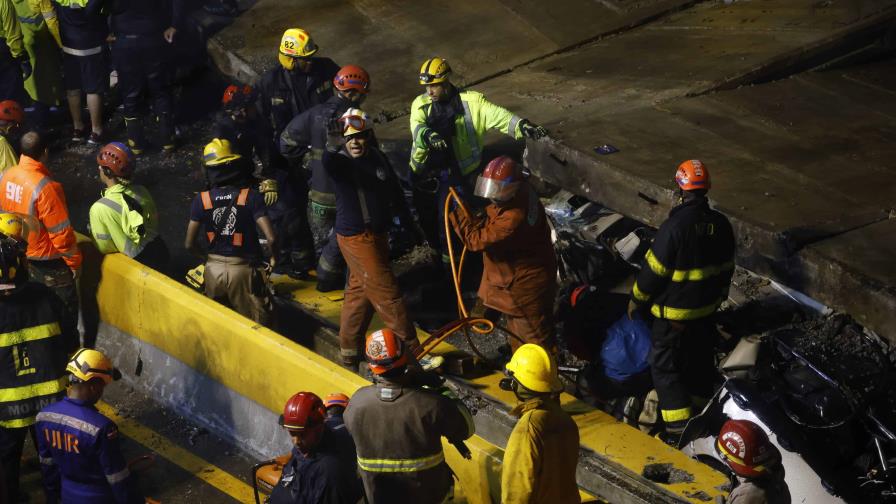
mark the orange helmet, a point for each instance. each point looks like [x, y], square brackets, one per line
[384, 351]
[11, 111]
[352, 77]
[746, 448]
[236, 97]
[692, 175]
[336, 399]
[117, 158]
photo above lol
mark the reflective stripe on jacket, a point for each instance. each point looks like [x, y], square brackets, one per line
[32, 354]
[116, 227]
[28, 190]
[480, 116]
[687, 271]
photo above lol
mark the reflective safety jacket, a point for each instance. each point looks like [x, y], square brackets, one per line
[11, 31]
[480, 115]
[28, 190]
[541, 456]
[687, 271]
[8, 157]
[124, 220]
[397, 432]
[80, 457]
[32, 354]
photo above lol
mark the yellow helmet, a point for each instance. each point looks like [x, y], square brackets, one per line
[87, 364]
[533, 368]
[11, 225]
[434, 71]
[355, 121]
[218, 151]
[295, 43]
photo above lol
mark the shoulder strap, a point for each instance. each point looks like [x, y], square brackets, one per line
[206, 200]
[243, 196]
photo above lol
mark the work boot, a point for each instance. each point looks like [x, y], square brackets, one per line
[166, 132]
[327, 282]
[136, 141]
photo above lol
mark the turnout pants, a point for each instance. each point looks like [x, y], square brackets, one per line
[536, 325]
[56, 275]
[143, 69]
[682, 364]
[234, 282]
[12, 443]
[330, 264]
[371, 286]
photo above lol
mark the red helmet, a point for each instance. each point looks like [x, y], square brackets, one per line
[236, 97]
[336, 399]
[500, 180]
[11, 111]
[746, 448]
[304, 413]
[118, 158]
[352, 77]
[692, 175]
[384, 351]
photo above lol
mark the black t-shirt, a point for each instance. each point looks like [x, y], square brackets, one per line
[237, 236]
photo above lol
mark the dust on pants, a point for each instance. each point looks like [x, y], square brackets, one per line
[56, 275]
[371, 286]
[234, 282]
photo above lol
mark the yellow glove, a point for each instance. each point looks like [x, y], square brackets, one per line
[196, 277]
[268, 187]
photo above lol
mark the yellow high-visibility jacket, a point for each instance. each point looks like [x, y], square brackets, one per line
[10, 30]
[480, 115]
[8, 157]
[117, 226]
[541, 456]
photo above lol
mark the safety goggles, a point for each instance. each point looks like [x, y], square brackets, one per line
[501, 190]
[355, 122]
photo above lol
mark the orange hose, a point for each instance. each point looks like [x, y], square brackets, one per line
[478, 325]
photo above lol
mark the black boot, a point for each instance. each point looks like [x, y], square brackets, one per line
[136, 141]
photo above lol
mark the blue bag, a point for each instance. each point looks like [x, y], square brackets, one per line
[625, 349]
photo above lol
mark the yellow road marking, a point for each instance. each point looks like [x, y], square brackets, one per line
[198, 467]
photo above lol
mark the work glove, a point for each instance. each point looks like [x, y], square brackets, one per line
[434, 140]
[335, 127]
[532, 130]
[25, 65]
[268, 188]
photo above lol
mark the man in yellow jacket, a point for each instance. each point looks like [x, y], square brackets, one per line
[448, 126]
[543, 449]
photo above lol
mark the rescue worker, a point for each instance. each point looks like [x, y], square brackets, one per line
[84, 28]
[238, 123]
[684, 278]
[398, 424]
[78, 447]
[322, 468]
[53, 255]
[15, 66]
[144, 32]
[519, 276]
[32, 356]
[229, 213]
[447, 130]
[125, 218]
[756, 462]
[11, 118]
[335, 405]
[543, 449]
[40, 33]
[307, 134]
[367, 196]
[299, 82]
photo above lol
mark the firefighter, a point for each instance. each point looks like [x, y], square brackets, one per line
[125, 219]
[684, 278]
[144, 32]
[78, 447]
[398, 424]
[84, 28]
[32, 359]
[40, 34]
[322, 468]
[447, 130]
[15, 66]
[11, 118]
[543, 448]
[756, 462]
[307, 134]
[53, 255]
[229, 213]
[367, 196]
[301, 81]
[519, 277]
[335, 405]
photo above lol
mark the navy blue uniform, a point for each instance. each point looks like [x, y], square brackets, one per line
[327, 477]
[84, 30]
[80, 458]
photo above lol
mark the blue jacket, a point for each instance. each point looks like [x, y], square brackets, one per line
[327, 477]
[80, 458]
